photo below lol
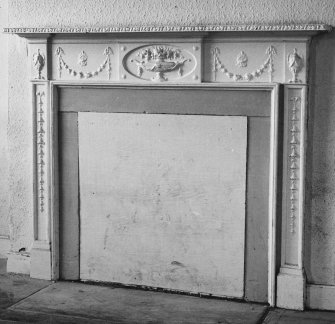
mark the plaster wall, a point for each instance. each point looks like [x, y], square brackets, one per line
[4, 228]
[320, 240]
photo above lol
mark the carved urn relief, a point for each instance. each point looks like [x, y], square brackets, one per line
[160, 62]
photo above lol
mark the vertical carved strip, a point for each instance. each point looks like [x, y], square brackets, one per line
[271, 51]
[216, 61]
[294, 166]
[41, 148]
[108, 52]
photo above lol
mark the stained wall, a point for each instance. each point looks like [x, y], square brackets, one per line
[16, 153]
[4, 197]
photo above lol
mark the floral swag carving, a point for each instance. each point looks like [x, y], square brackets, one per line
[266, 66]
[107, 64]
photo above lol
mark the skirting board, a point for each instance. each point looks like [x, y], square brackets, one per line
[4, 246]
[18, 263]
[320, 297]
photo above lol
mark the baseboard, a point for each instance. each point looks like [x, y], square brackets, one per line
[18, 262]
[4, 245]
[320, 297]
[4, 248]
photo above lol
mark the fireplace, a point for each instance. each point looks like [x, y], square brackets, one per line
[172, 159]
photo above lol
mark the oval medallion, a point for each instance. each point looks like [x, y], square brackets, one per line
[159, 63]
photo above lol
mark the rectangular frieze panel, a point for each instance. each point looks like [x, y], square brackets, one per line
[160, 62]
[176, 60]
[255, 61]
[85, 61]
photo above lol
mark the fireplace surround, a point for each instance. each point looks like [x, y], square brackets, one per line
[239, 58]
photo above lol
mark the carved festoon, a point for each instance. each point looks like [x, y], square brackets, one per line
[80, 74]
[268, 65]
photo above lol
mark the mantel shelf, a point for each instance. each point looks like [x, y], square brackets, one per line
[301, 28]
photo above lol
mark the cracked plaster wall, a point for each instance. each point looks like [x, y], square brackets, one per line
[320, 229]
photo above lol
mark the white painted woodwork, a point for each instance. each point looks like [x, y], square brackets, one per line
[287, 64]
[163, 200]
[320, 297]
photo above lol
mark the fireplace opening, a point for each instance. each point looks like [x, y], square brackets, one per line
[166, 187]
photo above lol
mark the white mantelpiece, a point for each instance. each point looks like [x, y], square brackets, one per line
[232, 56]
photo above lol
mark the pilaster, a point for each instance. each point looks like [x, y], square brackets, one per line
[41, 264]
[291, 282]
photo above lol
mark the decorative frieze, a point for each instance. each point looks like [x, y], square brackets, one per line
[202, 59]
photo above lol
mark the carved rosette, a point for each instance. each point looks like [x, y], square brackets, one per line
[82, 58]
[159, 63]
[242, 60]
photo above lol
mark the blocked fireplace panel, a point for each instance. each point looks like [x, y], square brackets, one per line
[163, 200]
